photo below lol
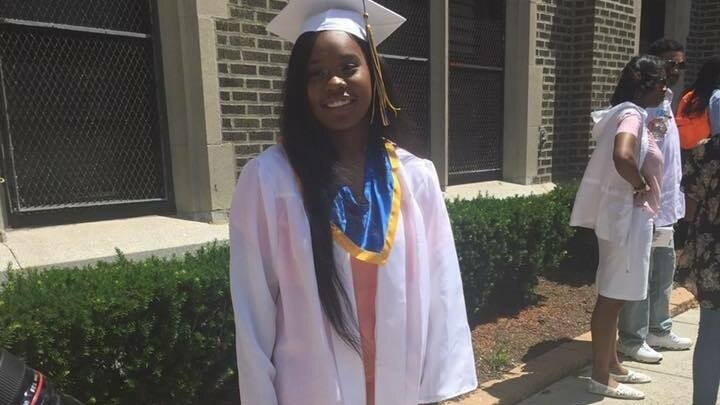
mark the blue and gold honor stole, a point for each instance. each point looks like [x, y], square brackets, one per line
[367, 230]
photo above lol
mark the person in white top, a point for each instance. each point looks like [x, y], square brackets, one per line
[344, 277]
[647, 323]
[619, 197]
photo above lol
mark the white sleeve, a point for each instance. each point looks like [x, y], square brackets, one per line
[714, 113]
[253, 286]
[449, 366]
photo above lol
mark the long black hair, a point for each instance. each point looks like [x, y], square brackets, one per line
[708, 80]
[312, 157]
[638, 77]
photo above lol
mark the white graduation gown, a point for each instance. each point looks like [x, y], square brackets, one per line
[288, 354]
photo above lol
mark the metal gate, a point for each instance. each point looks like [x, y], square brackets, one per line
[477, 55]
[407, 53]
[80, 122]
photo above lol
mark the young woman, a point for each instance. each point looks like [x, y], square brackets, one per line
[699, 264]
[344, 276]
[618, 197]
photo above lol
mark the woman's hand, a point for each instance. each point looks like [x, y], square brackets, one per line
[642, 189]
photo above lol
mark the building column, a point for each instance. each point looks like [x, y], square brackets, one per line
[677, 20]
[677, 27]
[523, 93]
[439, 86]
[203, 167]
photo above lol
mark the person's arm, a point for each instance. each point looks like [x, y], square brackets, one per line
[625, 162]
[714, 113]
[254, 287]
[629, 131]
[449, 365]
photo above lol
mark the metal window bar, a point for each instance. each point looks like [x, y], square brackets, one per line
[75, 28]
[118, 15]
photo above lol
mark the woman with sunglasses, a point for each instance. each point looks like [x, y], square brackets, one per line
[618, 197]
[699, 264]
[646, 325]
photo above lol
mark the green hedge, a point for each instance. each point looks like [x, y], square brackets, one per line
[503, 245]
[161, 331]
[154, 332]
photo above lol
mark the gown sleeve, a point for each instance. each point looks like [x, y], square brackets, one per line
[449, 365]
[253, 287]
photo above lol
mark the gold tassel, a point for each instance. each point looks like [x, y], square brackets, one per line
[380, 96]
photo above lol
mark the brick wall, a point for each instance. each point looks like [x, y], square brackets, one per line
[704, 37]
[251, 66]
[581, 45]
[564, 38]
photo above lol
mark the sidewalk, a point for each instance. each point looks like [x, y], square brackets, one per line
[672, 378]
[495, 189]
[87, 243]
[555, 377]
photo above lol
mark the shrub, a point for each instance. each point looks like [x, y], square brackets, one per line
[153, 332]
[503, 244]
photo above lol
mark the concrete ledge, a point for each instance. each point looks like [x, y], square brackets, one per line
[534, 376]
[87, 243]
[495, 189]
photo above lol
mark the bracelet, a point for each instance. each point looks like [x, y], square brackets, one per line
[642, 187]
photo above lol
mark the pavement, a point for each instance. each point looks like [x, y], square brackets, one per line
[559, 376]
[495, 189]
[86, 243]
[672, 378]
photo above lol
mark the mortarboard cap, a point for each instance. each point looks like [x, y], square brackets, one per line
[301, 16]
[365, 19]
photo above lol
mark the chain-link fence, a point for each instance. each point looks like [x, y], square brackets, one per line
[407, 55]
[80, 122]
[477, 54]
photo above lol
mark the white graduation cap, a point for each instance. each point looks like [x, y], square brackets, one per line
[365, 19]
[301, 16]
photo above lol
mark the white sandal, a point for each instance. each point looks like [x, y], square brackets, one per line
[622, 391]
[632, 377]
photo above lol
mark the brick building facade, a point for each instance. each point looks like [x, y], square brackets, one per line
[581, 46]
[251, 67]
[704, 35]
[530, 72]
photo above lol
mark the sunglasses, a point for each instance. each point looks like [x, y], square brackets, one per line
[661, 82]
[676, 65]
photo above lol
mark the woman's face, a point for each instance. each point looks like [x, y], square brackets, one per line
[339, 86]
[656, 95]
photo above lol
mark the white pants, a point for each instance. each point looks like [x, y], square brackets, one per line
[623, 269]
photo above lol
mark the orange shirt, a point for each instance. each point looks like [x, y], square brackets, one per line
[365, 286]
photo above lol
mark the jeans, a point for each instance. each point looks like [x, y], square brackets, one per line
[653, 313]
[706, 359]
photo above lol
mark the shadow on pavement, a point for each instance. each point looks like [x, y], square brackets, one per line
[568, 357]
